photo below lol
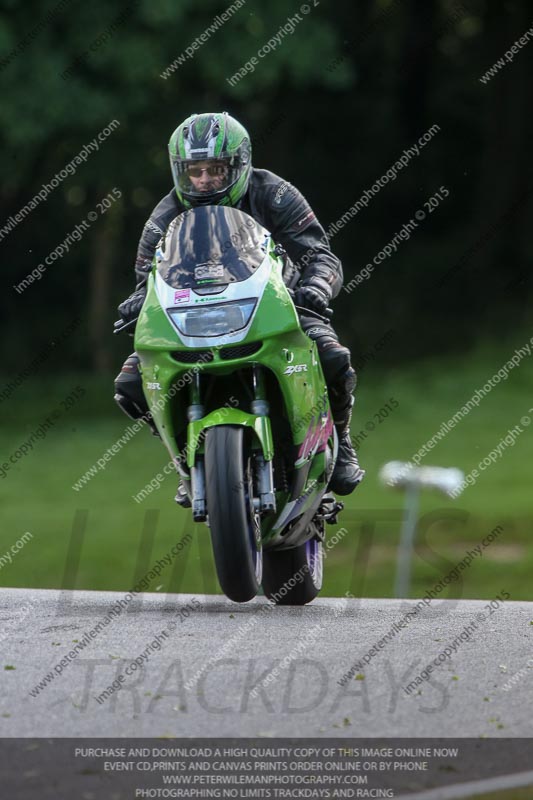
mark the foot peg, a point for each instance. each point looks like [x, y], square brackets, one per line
[182, 498]
[329, 508]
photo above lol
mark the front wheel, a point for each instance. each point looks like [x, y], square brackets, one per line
[293, 577]
[233, 521]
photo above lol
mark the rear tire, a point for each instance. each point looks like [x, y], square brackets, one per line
[234, 525]
[293, 577]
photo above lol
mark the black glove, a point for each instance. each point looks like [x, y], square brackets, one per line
[131, 308]
[316, 295]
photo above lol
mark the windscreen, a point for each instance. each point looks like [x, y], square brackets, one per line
[210, 246]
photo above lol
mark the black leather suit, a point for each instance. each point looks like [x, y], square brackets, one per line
[282, 209]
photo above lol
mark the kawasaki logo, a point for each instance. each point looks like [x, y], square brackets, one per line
[209, 299]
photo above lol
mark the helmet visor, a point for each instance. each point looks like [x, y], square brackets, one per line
[199, 178]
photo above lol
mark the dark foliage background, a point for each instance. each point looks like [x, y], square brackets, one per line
[331, 109]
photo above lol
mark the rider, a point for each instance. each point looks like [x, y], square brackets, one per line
[210, 158]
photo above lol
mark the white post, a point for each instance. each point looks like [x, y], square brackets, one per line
[398, 475]
[406, 543]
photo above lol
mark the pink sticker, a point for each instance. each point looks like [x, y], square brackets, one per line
[182, 295]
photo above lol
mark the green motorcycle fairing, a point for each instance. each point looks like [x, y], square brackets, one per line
[216, 306]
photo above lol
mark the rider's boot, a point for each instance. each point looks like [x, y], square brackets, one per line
[129, 394]
[347, 474]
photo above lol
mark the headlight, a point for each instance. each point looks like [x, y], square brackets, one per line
[219, 319]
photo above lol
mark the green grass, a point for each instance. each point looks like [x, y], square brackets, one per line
[36, 495]
[504, 794]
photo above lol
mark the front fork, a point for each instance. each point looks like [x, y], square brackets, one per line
[266, 500]
[196, 411]
[263, 471]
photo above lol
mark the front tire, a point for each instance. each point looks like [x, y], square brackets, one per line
[233, 522]
[293, 577]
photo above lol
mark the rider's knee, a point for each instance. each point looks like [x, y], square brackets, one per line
[334, 357]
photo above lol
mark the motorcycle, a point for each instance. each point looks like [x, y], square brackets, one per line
[237, 394]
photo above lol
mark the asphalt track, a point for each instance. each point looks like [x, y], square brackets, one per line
[225, 669]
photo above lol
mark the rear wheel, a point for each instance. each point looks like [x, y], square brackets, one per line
[293, 577]
[233, 522]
